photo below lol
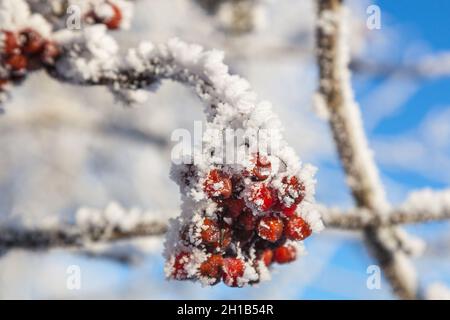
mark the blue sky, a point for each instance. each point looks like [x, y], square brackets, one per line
[421, 27]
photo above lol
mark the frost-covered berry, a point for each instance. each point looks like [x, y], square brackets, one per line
[50, 52]
[31, 41]
[233, 269]
[261, 196]
[267, 257]
[210, 232]
[247, 220]
[234, 207]
[226, 235]
[212, 267]
[286, 211]
[16, 62]
[218, 185]
[270, 228]
[243, 236]
[291, 193]
[108, 14]
[3, 83]
[248, 202]
[262, 167]
[179, 272]
[284, 254]
[297, 229]
[9, 43]
[116, 19]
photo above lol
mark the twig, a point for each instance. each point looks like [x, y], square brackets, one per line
[358, 219]
[72, 236]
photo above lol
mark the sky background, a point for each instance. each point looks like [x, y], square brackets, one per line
[406, 119]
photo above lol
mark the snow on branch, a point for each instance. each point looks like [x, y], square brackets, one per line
[344, 116]
[389, 245]
[420, 207]
[429, 67]
[91, 225]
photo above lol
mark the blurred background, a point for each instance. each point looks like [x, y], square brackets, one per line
[63, 147]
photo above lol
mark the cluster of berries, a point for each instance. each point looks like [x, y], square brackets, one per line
[255, 223]
[24, 51]
[107, 13]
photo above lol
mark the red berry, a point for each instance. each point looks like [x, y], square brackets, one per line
[289, 211]
[261, 197]
[297, 229]
[216, 235]
[212, 267]
[225, 236]
[262, 169]
[32, 41]
[285, 254]
[50, 52]
[247, 220]
[243, 236]
[112, 22]
[270, 228]
[218, 185]
[292, 192]
[234, 207]
[286, 211]
[116, 19]
[3, 82]
[10, 44]
[267, 257]
[210, 232]
[179, 272]
[233, 268]
[17, 62]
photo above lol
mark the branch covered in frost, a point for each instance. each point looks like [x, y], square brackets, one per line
[92, 225]
[237, 16]
[344, 116]
[335, 96]
[116, 223]
[421, 206]
[428, 67]
[29, 32]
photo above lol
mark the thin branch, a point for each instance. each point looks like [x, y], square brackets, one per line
[107, 231]
[72, 236]
[358, 219]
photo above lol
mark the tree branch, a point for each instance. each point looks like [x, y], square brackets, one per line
[359, 219]
[336, 94]
[42, 239]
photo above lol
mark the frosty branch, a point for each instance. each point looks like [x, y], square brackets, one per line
[388, 244]
[115, 223]
[92, 225]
